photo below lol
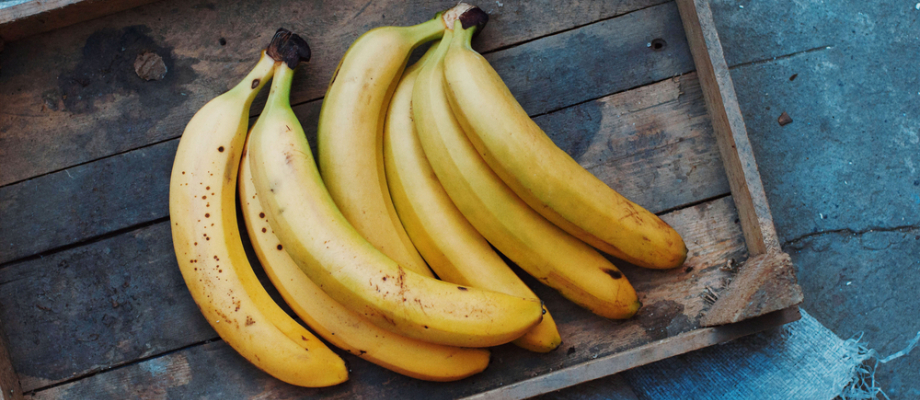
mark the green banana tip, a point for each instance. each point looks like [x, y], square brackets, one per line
[288, 47]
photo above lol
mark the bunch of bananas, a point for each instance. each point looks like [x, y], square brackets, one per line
[419, 166]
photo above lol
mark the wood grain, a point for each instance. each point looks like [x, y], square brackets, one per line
[728, 123]
[766, 283]
[641, 355]
[653, 144]
[72, 96]
[673, 301]
[37, 16]
[614, 387]
[85, 201]
[9, 381]
[97, 306]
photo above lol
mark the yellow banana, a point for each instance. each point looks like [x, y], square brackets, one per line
[551, 255]
[543, 175]
[202, 208]
[350, 135]
[340, 326]
[452, 247]
[346, 266]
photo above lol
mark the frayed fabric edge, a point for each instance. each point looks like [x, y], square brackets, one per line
[862, 385]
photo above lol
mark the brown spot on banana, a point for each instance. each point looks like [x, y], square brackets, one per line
[613, 273]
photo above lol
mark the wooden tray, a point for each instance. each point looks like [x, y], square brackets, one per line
[91, 299]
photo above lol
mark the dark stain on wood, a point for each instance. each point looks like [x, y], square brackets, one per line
[656, 318]
[107, 68]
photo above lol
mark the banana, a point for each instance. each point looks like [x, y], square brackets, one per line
[452, 247]
[349, 137]
[346, 266]
[543, 250]
[202, 209]
[340, 326]
[543, 175]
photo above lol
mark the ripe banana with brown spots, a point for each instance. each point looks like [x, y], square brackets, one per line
[350, 135]
[202, 209]
[346, 266]
[340, 326]
[452, 247]
[543, 175]
[546, 252]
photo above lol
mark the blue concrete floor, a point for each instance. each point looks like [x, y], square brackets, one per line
[843, 179]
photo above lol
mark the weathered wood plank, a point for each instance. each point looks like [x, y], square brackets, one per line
[9, 381]
[85, 201]
[610, 388]
[641, 355]
[765, 283]
[728, 125]
[96, 306]
[673, 300]
[71, 96]
[34, 17]
[653, 144]
[595, 60]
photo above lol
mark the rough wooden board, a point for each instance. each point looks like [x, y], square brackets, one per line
[71, 96]
[666, 348]
[673, 306]
[728, 125]
[97, 306]
[764, 283]
[667, 159]
[609, 388]
[595, 60]
[85, 201]
[37, 16]
[9, 381]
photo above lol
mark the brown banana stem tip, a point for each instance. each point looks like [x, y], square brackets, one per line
[474, 17]
[468, 15]
[288, 47]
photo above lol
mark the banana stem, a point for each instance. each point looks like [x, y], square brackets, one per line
[280, 94]
[426, 31]
[463, 37]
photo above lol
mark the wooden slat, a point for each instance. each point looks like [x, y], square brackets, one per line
[9, 381]
[610, 388]
[72, 96]
[97, 306]
[673, 299]
[85, 201]
[767, 283]
[670, 125]
[612, 364]
[728, 123]
[594, 60]
[37, 16]
[642, 131]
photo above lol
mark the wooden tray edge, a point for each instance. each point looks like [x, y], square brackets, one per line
[647, 354]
